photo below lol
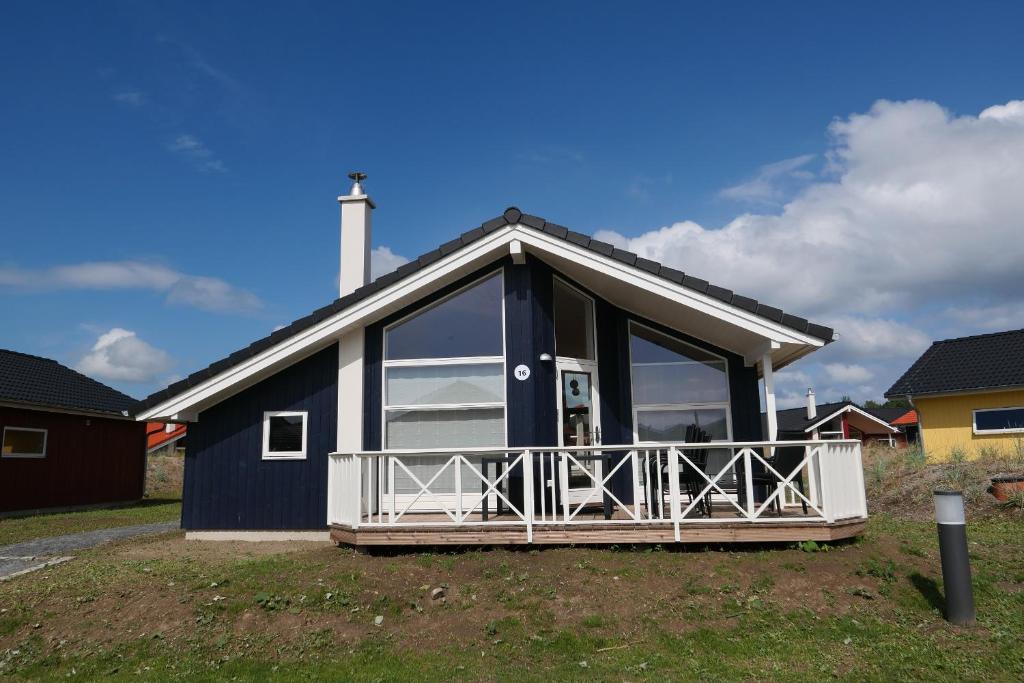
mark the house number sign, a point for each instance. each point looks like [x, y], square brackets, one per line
[522, 373]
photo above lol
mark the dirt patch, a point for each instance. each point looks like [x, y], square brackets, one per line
[284, 592]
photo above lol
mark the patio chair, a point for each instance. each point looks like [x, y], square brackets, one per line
[785, 460]
[690, 479]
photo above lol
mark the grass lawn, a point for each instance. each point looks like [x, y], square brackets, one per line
[166, 609]
[18, 529]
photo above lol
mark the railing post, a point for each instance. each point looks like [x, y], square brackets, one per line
[563, 484]
[861, 492]
[358, 502]
[528, 494]
[673, 489]
[458, 487]
[748, 475]
[814, 472]
[331, 476]
[634, 463]
[391, 490]
[825, 471]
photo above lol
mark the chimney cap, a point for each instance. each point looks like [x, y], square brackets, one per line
[357, 179]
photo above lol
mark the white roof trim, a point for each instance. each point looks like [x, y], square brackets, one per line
[845, 409]
[186, 404]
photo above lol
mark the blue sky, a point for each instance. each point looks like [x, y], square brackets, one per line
[168, 172]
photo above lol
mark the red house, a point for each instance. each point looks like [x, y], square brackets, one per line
[68, 440]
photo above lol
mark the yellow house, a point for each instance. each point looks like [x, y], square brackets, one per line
[969, 395]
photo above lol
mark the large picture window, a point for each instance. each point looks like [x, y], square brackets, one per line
[444, 378]
[999, 421]
[676, 385]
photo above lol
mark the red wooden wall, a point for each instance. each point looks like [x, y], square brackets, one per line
[88, 460]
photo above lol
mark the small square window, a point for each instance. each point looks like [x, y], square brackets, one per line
[24, 442]
[284, 435]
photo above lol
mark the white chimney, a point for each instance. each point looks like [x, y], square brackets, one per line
[812, 407]
[356, 210]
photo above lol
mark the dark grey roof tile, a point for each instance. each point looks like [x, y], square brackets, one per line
[579, 238]
[720, 293]
[556, 230]
[695, 283]
[34, 380]
[770, 312]
[744, 302]
[676, 276]
[452, 245]
[794, 321]
[984, 361]
[532, 221]
[622, 255]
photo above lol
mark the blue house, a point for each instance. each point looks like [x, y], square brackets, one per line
[522, 383]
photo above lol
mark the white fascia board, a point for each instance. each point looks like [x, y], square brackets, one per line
[327, 330]
[658, 285]
[846, 409]
[417, 284]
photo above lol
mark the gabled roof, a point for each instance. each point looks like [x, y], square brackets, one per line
[793, 420]
[984, 361]
[510, 218]
[40, 382]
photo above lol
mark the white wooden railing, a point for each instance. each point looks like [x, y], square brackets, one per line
[819, 481]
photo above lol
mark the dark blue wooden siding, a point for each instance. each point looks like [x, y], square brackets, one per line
[227, 483]
[532, 417]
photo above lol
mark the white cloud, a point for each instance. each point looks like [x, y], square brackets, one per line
[191, 147]
[772, 181]
[878, 337]
[198, 291]
[119, 355]
[132, 98]
[841, 372]
[383, 261]
[988, 318]
[791, 376]
[921, 212]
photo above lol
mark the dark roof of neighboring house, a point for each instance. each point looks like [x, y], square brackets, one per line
[795, 419]
[45, 383]
[511, 216]
[984, 361]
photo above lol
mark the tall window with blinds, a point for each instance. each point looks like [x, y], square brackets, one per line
[444, 378]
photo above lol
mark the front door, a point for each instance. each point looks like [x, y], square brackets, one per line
[580, 427]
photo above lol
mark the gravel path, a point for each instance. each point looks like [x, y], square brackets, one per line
[21, 557]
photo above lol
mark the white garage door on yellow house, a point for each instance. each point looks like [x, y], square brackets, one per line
[969, 395]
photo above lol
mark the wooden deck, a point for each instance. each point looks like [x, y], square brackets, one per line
[722, 527]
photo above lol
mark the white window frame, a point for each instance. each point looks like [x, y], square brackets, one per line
[652, 407]
[1010, 430]
[433, 362]
[591, 333]
[35, 456]
[284, 455]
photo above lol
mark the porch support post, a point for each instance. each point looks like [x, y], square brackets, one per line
[769, 396]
